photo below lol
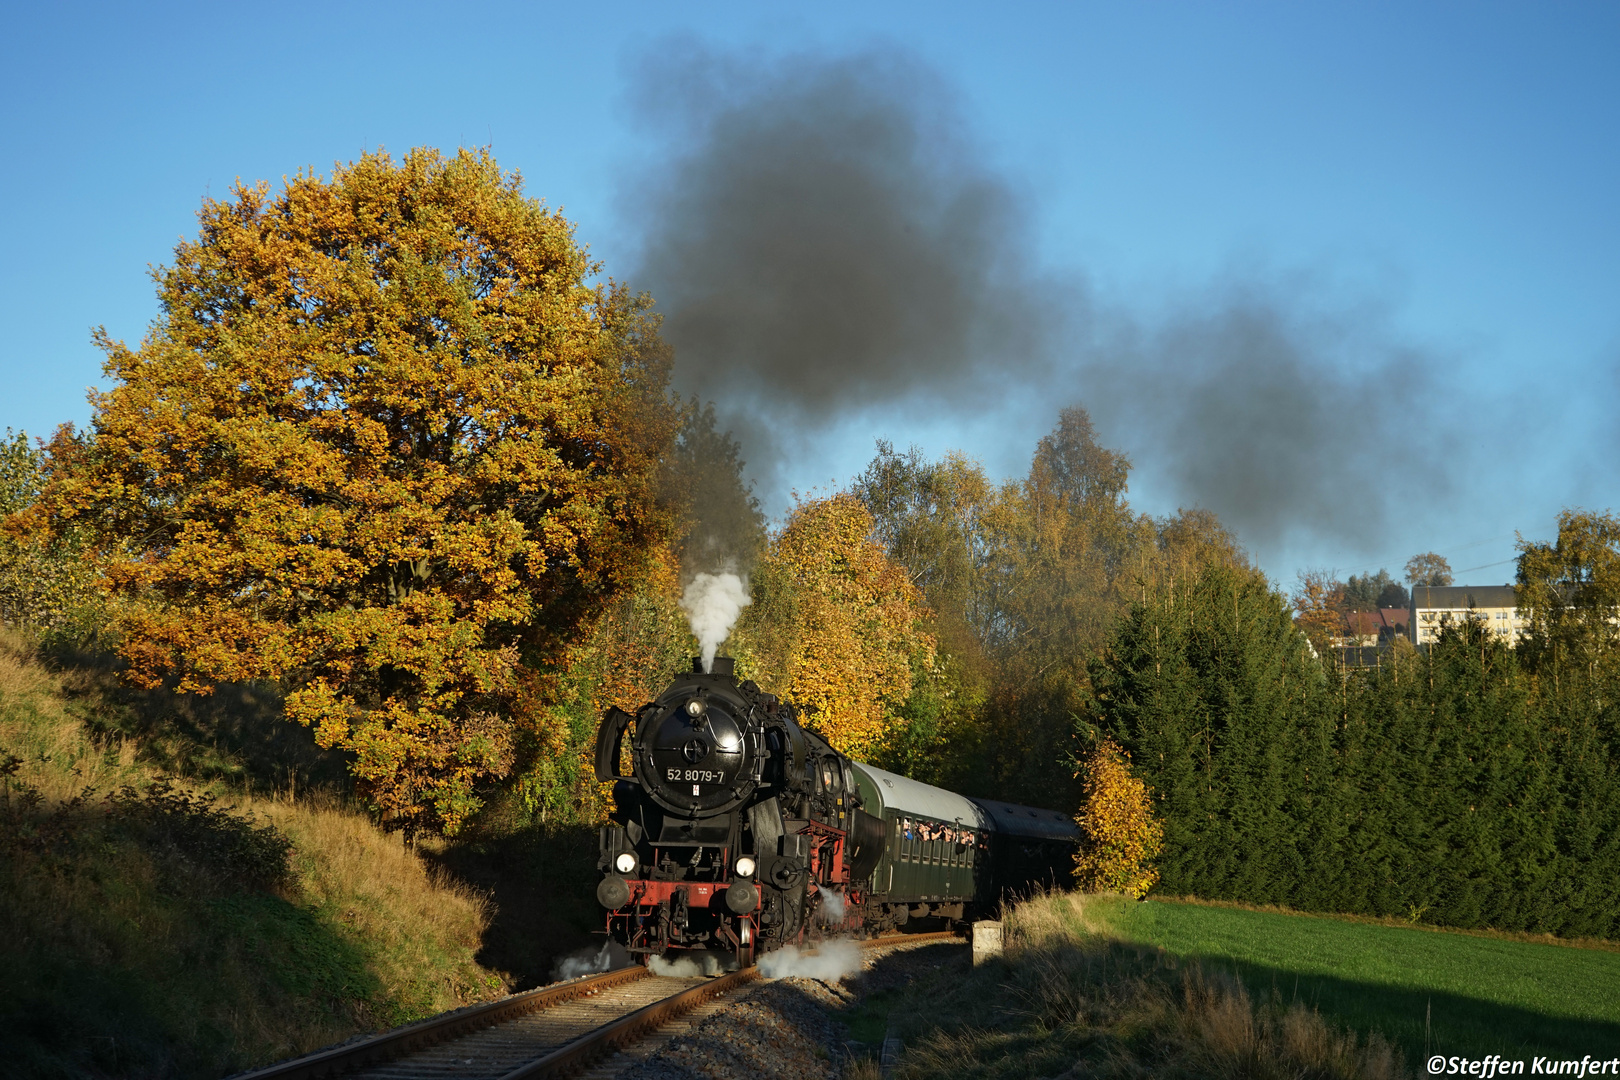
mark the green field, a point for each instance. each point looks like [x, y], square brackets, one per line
[1103, 986]
[1429, 991]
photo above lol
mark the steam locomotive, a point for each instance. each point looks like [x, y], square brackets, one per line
[740, 831]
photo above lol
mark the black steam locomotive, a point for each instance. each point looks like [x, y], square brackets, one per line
[740, 831]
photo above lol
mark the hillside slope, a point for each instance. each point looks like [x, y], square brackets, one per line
[160, 927]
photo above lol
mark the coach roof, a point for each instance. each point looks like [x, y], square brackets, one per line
[1030, 820]
[906, 796]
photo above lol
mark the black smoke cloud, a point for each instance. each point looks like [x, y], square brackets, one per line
[827, 241]
[823, 238]
[1290, 415]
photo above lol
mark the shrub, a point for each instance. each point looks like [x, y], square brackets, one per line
[1120, 835]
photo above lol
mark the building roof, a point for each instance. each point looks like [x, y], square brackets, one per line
[1363, 622]
[1375, 622]
[1459, 597]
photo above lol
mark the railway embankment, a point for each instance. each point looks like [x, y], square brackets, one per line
[165, 910]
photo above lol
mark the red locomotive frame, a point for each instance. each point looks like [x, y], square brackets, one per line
[658, 913]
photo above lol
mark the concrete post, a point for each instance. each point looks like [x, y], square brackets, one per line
[986, 941]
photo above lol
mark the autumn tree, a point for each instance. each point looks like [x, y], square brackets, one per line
[935, 519]
[1571, 591]
[1024, 581]
[46, 585]
[1119, 834]
[1071, 548]
[836, 626]
[385, 442]
[1319, 606]
[1428, 569]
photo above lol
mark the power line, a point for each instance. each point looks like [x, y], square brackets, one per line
[1488, 565]
[1384, 564]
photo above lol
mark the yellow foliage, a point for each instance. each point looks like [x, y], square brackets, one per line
[46, 583]
[1317, 607]
[857, 623]
[384, 440]
[1120, 837]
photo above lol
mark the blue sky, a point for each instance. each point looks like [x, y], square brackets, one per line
[1445, 174]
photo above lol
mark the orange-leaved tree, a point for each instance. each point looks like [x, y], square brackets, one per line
[1120, 837]
[837, 627]
[1319, 608]
[384, 442]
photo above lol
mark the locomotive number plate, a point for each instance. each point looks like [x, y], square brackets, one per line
[697, 776]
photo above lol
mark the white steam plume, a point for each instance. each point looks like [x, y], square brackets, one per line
[691, 967]
[832, 906]
[588, 961]
[831, 961]
[712, 603]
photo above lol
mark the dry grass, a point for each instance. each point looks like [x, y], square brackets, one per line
[1069, 1001]
[121, 958]
[423, 925]
[862, 1068]
[60, 759]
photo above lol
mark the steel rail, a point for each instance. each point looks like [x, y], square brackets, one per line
[571, 1056]
[437, 1029]
[630, 1029]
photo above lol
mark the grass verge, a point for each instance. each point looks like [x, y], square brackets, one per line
[195, 928]
[1431, 991]
[1102, 986]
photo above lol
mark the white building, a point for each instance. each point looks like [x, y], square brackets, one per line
[1433, 606]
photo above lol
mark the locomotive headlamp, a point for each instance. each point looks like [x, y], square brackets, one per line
[694, 708]
[745, 867]
[625, 863]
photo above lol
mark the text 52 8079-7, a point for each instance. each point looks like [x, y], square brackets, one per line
[696, 776]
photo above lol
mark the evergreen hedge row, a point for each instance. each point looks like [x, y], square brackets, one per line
[1454, 786]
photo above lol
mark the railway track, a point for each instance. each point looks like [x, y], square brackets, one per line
[557, 1030]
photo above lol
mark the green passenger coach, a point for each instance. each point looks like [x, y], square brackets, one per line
[946, 855]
